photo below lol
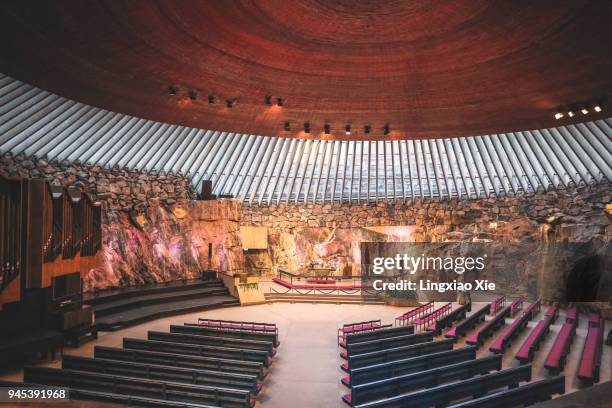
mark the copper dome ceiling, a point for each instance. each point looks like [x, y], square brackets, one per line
[428, 69]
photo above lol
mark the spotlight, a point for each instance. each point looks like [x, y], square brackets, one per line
[559, 115]
[347, 128]
[193, 95]
[571, 114]
[230, 103]
[386, 129]
[584, 111]
[268, 100]
[306, 127]
[327, 129]
[287, 126]
[280, 101]
[597, 108]
[172, 89]
[211, 99]
[367, 129]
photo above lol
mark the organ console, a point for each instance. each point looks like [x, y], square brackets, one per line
[57, 232]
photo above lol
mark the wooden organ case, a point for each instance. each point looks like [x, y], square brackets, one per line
[64, 231]
[10, 240]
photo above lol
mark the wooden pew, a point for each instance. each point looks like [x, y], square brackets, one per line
[239, 325]
[212, 341]
[194, 328]
[383, 333]
[502, 341]
[497, 305]
[468, 324]
[571, 316]
[138, 387]
[532, 343]
[552, 312]
[360, 327]
[427, 320]
[477, 338]
[446, 393]
[199, 350]
[525, 395]
[390, 342]
[447, 321]
[244, 382]
[414, 313]
[182, 360]
[555, 361]
[590, 361]
[112, 398]
[383, 356]
[393, 386]
[409, 365]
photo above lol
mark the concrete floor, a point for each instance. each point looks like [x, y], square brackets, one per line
[306, 372]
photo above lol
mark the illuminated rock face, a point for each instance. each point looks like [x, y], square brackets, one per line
[165, 243]
[540, 240]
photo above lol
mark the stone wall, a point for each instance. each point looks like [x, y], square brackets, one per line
[120, 189]
[152, 231]
[535, 227]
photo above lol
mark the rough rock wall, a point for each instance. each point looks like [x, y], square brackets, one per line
[120, 189]
[151, 230]
[537, 225]
[168, 242]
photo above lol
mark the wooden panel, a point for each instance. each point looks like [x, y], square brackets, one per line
[429, 69]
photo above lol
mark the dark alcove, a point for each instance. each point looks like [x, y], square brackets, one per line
[583, 281]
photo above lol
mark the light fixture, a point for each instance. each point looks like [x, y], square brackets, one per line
[287, 126]
[584, 111]
[172, 90]
[367, 129]
[211, 99]
[230, 103]
[327, 129]
[280, 101]
[559, 115]
[268, 100]
[306, 127]
[347, 128]
[386, 129]
[597, 108]
[571, 114]
[193, 95]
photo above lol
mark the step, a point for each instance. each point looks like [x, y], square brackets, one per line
[112, 295]
[142, 314]
[136, 300]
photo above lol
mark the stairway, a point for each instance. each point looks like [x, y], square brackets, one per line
[118, 308]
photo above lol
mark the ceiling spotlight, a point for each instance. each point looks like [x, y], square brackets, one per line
[386, 129]
[571, 114]
[268, 100]
[193, 95]
[597, 108]
[559, 115]
[367, 129]
[211, 99]
[306, 127]
[280, 101]
[230, 103]
[173, 89]
[327, 129]
[347, 128]
[584, 111]
[287, 126]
